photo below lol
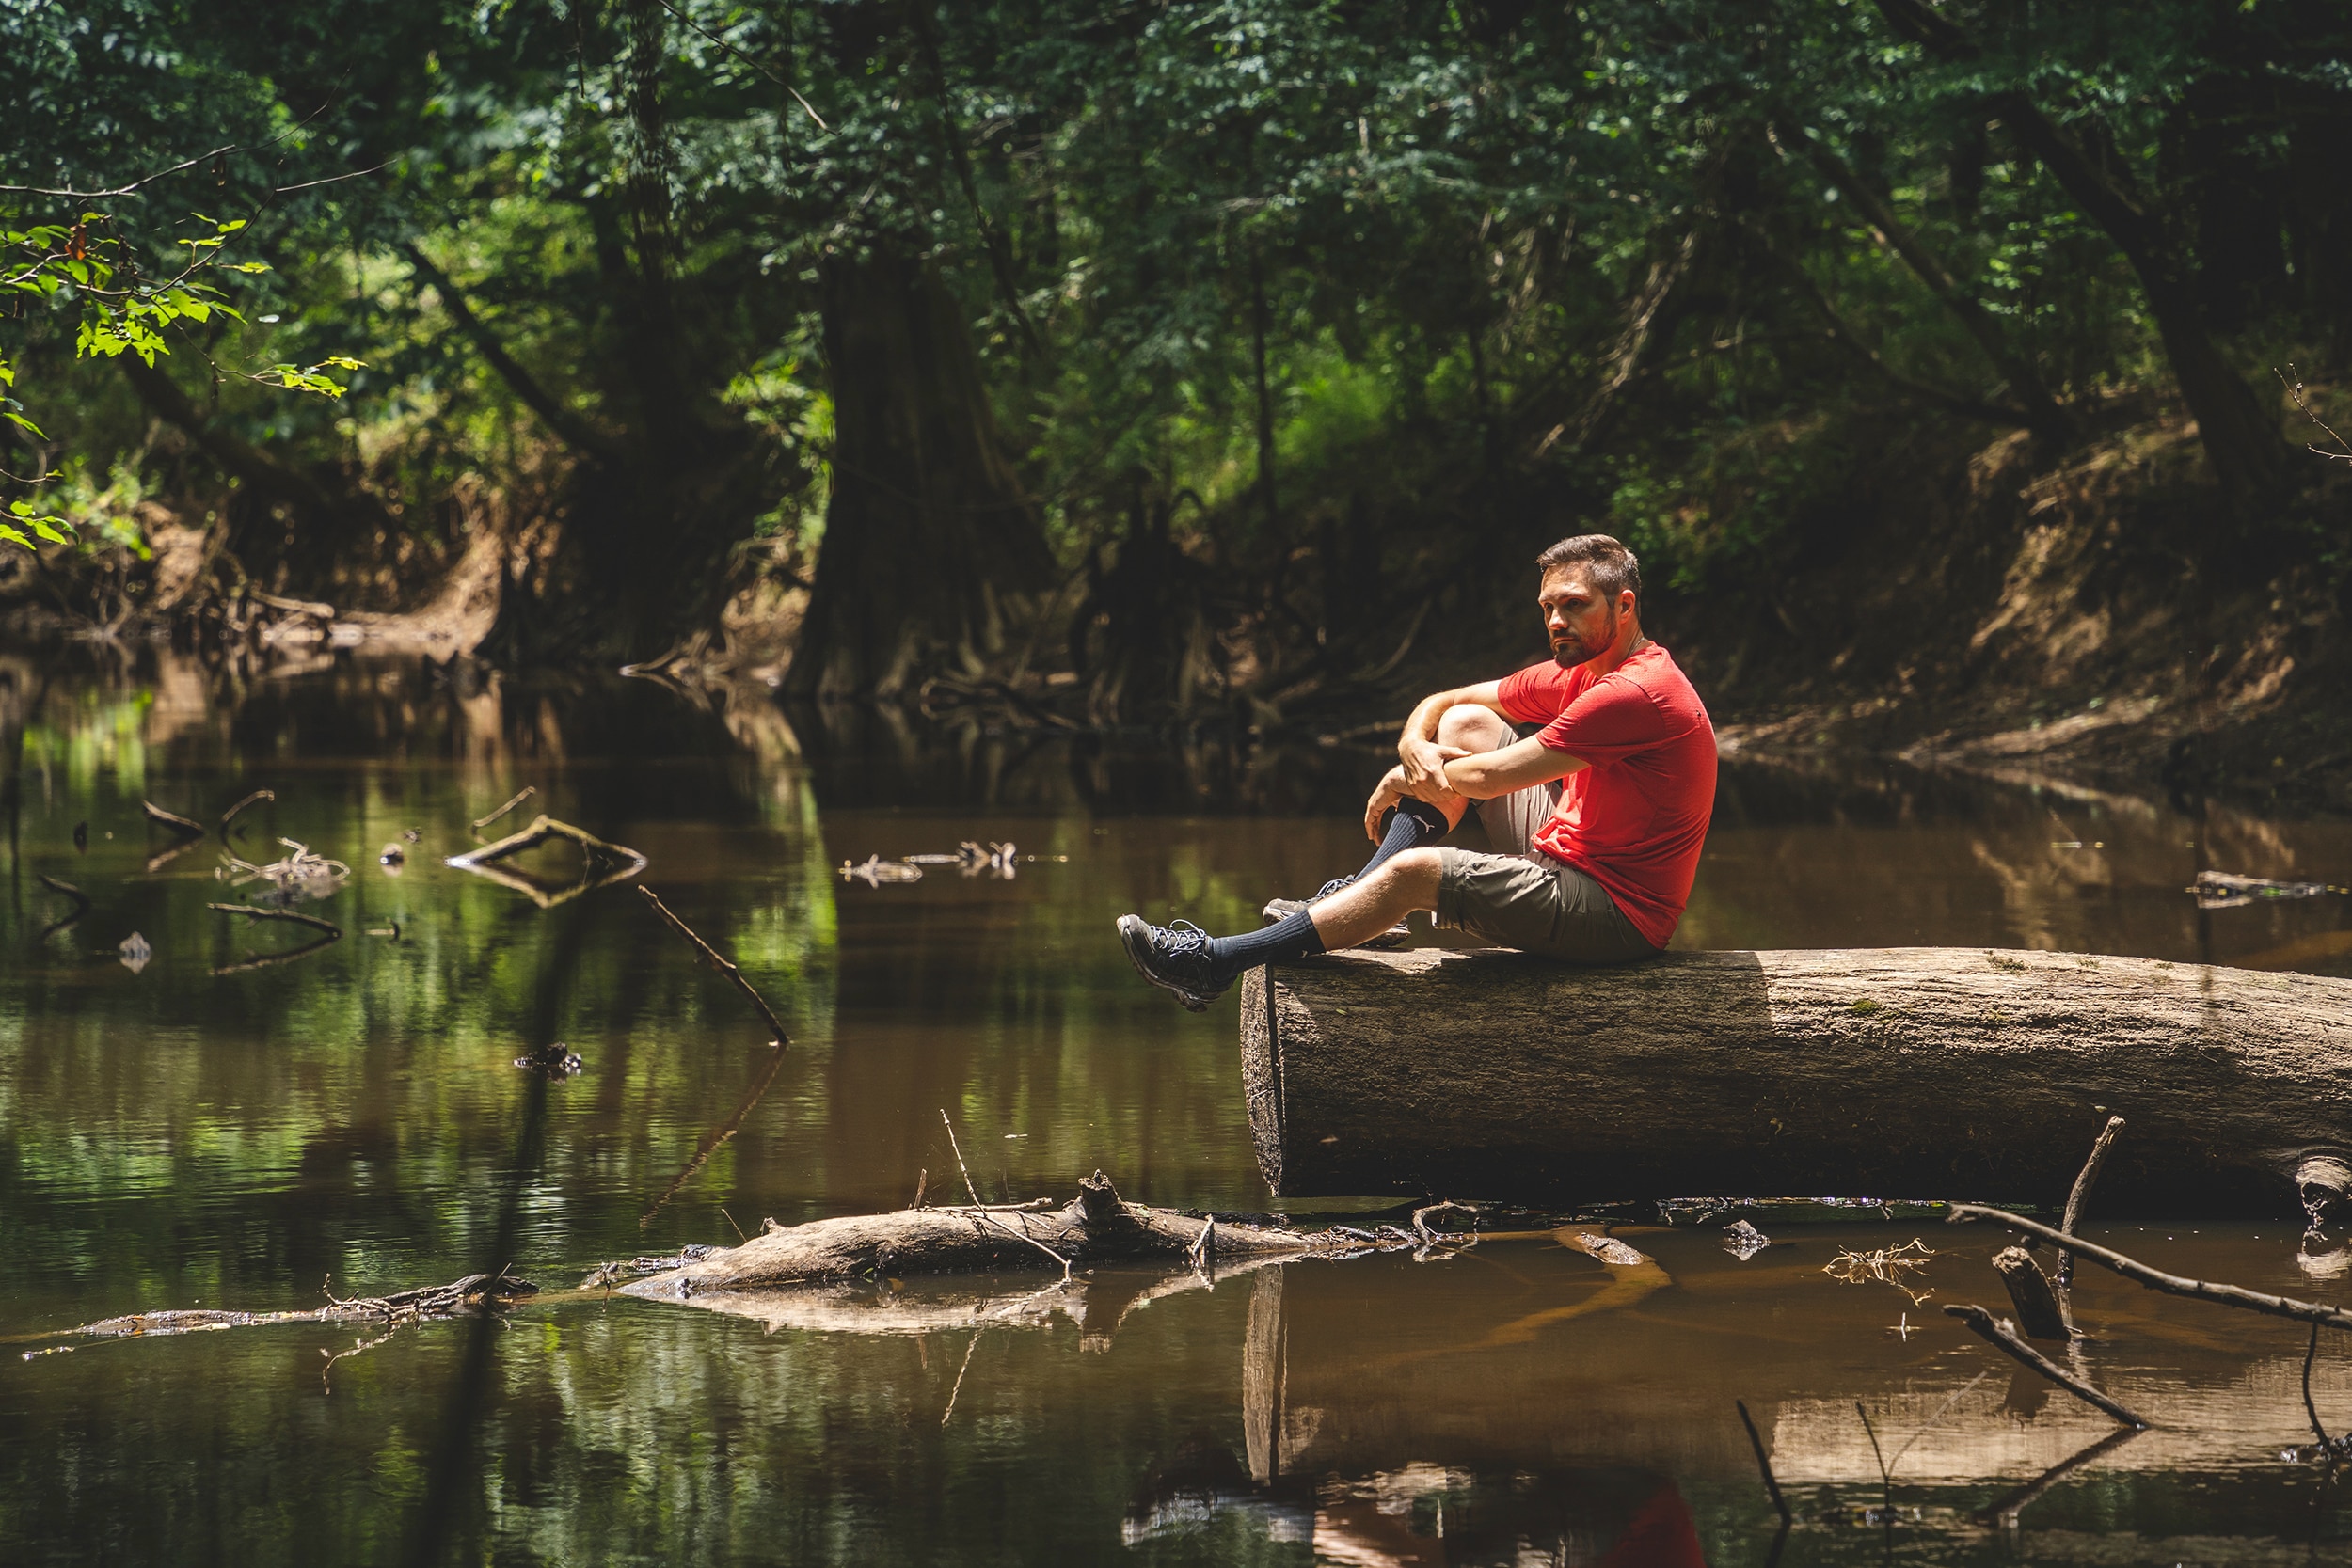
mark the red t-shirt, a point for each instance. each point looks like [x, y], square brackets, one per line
[1634, 819]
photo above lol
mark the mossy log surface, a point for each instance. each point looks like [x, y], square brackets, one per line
[1881, 1072]
[1096, 1227]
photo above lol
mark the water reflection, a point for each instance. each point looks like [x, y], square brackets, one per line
[172, 1137]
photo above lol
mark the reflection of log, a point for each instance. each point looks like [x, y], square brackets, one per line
[604, 864]
[1098, 1304]
[1897, 1071]
[1096, 1227]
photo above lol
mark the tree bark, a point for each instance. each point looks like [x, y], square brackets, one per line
[927, 527]
[1895, 1072]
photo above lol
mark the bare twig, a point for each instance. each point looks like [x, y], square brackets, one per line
[731, 1224]
[172, 820]
[2008, 1344]
[257, 911]
[2156, 1279]
[952, 1393]
[81, 907]
[521, 796]
[332, 934]
[1434, 1237]
[1957, 1395]
[722, 963]
[357, 1347]
[2294, 391]
[230, 814]
[749, 61]
[2081, 1190]
[1772, 1484]
[718, 1136]
[2006, 1510]
[983, 1213]
[960, 1164]
[1886, 1477]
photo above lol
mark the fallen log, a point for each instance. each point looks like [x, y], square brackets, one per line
[1893, 1073]
[1096, 1227]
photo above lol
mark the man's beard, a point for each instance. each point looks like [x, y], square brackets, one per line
[1573, 652]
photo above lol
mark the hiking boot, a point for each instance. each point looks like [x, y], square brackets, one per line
[1174, 958]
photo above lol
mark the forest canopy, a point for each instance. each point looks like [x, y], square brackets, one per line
[1192, 346]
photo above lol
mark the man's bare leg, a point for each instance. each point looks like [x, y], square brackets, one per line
[1378, 900]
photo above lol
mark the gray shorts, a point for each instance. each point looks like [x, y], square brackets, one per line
[1521, 897]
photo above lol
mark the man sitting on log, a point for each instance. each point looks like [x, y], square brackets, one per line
[1597, 819]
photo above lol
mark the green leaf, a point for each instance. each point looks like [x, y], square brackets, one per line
[14, 537]
[23, 423]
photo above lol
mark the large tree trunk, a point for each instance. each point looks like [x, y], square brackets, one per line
[1896, 1073]
[928, 529]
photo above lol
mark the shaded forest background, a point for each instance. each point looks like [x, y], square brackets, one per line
[1188, 363]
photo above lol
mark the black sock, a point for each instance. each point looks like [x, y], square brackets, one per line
[1291, 937]
[1407, 824]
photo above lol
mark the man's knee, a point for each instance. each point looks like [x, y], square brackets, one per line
[1473, 728]
[1411, 865]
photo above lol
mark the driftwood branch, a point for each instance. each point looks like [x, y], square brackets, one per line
[185, 831]
[521, 796]
[230, 814]
[2156, 1279]
[2008, 1344]
[474, 1292]
[1097, 1227]
[81, 907]
[2081, 1190]
[607, 863]
[724, 965]
[334, 934]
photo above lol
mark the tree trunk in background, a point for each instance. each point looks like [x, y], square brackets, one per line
[928, 529]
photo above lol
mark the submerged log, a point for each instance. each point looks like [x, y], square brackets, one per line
[1886, 1072]
[1096, 1227]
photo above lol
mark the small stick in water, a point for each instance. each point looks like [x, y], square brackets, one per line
[81, 907]
[2081, 1190]
[172, 820]
[231, 815]
[522, 795]
[1770, 1483]
[2156, 1279]
[722, 963]
[1982, 1322]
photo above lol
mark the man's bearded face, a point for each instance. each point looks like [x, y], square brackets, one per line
[1581, 621]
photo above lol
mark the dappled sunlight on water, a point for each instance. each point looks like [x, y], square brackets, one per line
[170, 1137]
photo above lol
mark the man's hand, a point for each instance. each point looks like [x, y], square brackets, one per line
[1423, 764]
[1393, 788]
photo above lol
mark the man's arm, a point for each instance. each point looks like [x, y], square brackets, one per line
[1520, 765]
[1417, 747]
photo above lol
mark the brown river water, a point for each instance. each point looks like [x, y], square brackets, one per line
[171, 1136]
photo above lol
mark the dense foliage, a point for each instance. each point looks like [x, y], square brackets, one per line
[1195, 344]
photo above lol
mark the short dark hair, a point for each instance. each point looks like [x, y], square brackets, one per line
[1612, 567]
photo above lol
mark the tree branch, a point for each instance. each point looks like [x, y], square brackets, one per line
[566, 425]
[2041, 408]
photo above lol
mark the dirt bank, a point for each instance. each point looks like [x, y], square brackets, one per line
[2094, 618]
